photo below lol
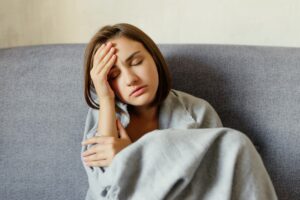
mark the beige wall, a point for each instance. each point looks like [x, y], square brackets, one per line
[252, 22]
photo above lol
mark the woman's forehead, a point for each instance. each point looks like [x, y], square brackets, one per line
[125, 52]
[125, 44]
[128, 58]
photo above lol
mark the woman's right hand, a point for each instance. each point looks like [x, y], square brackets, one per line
[102, 62]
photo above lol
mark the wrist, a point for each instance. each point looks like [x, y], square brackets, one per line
[107, 100]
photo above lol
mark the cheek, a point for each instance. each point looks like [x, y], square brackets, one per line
[152, 73]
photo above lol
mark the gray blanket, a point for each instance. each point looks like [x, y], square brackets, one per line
[187, 164]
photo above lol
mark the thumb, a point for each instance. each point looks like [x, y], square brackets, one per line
[122, 131]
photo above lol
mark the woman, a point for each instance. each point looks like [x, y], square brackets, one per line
[119, 60]
[129, 78]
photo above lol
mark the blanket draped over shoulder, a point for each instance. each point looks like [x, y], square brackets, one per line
[187, 164]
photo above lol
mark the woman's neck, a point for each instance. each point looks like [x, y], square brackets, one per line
[144, 113]
[142, 121]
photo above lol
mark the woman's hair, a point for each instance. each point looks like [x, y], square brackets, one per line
[131, 32]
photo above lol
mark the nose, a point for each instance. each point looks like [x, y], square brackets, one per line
[130, 77]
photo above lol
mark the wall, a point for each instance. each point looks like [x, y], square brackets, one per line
[252, 22]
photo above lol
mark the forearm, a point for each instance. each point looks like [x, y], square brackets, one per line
[107, 118]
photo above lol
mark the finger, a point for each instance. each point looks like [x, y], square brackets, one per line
[93, 150]
[102, 53]
[104, 72]
[108, 57]
[99, 163]
[91, 140]
[96, 56]
[97, 148]
[94, 157]
[119, 125]
[95, 139]
[89, 152]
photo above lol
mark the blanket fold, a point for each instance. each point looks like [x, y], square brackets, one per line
[189, 164]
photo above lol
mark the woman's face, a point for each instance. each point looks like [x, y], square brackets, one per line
[131, 72]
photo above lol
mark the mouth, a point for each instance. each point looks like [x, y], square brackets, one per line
[138, 91]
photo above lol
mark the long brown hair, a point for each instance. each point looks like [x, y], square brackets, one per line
[131, 32]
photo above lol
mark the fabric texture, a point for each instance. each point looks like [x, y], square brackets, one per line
[254, 89]
[177, 164]
[190, 156]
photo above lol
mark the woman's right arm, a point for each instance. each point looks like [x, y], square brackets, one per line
[107, 118]
[102, 63]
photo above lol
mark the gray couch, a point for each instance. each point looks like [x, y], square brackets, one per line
[254, 89]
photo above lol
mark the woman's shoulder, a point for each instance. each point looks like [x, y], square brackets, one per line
[188, 99]
[200, 109]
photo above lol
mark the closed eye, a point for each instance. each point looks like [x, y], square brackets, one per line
[115, 75]
[138, 63]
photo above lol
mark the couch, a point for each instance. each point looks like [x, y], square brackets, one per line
[254, 89]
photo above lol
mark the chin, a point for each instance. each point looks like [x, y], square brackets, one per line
[142, 100]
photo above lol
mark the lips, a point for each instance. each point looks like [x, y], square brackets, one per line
[137, 89]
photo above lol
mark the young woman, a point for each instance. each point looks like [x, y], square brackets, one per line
[124, 66]
[128, 90]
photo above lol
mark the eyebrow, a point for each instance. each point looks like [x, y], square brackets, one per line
[129, 58]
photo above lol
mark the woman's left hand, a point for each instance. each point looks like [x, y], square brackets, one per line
[102, 154]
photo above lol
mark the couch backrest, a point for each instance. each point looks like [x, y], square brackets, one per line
[254, 89]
